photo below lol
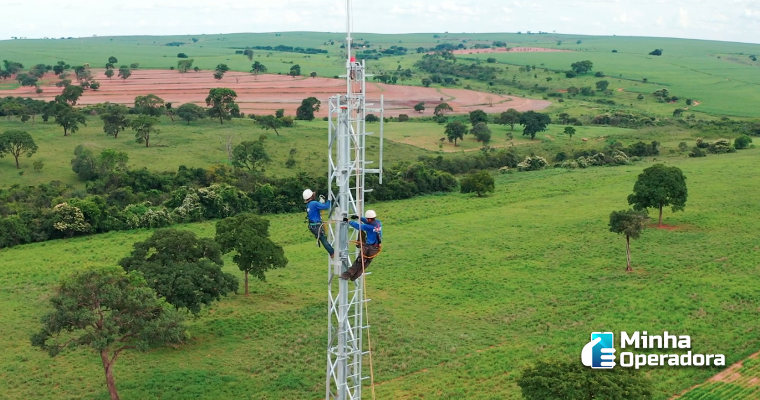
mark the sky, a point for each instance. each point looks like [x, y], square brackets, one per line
[726, 20]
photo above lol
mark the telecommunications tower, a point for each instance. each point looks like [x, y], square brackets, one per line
[347, 165]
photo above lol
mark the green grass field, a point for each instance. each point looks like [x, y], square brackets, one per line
[522, 275]
[201, 144]
[501, 282]
[204, 144]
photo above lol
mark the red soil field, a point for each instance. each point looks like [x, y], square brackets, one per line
[263, 94]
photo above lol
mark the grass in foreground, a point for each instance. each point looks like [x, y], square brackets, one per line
[500, 282]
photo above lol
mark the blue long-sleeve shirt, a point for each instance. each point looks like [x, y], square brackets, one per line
[312, 210]
[374, 230]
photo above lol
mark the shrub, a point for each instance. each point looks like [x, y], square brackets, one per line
[403, 118]
[742, 142]
[571, 380]
[721, 146]
[479, 183]
[532, 163]
[697, 152]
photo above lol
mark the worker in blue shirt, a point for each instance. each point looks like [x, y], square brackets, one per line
[316, 227]
[370, 246]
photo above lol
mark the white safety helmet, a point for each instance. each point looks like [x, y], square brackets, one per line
[307, 194]
[370, 214]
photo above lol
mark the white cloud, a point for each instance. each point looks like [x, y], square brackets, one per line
[683, 18]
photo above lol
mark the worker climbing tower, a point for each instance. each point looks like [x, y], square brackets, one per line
[347, 165]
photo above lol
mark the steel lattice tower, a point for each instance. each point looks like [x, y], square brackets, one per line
[347, 166]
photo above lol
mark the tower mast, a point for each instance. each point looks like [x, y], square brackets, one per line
[347, 166]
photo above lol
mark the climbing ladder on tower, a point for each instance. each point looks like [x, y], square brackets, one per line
[347, 165]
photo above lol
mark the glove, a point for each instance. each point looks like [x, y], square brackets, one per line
[345, 219]
[354, 217]
[321, 199]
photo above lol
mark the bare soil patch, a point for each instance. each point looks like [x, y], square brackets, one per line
[263, 94]
[666, 227]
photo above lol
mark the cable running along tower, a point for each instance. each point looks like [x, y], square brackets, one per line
[347, 165]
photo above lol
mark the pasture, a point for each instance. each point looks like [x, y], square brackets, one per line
[503, 281]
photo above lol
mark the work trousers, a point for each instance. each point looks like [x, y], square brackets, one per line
[370, 250]
[319, 232]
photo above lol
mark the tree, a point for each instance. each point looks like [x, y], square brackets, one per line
[111, 161]
[455, 130]
[69, 118]
[114, 118]
[481, 132]
[295, 70]
[220, 70]
[308, 107]
[270, 122]
[509, 117]
[569, 131]
[124, 72]
[144, 126]
[602, 85]
[108, 311]
[84, 164]
[89, 167]
[258, 68]
[221, 102]
[12, 67]
[39, 70]
[184, 269]
[70, 94]
[533, 122]
[184, 65]
[248, 53]
[313, 74]
[581, 67]
[420, 107]
[656, 52]
[150, 105]
[251, 155]
[426, 82]
[248, 236]
[109, 73]
[631, 224]
[169, 110]
[26, 79]
[69, 220]
[83, 74]
[571, 380]
[480, 183]
[190, 112]
[113, 60]
[478, 116]
[60, 66]
[441, 109]
[659, 186]
[17, 142]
